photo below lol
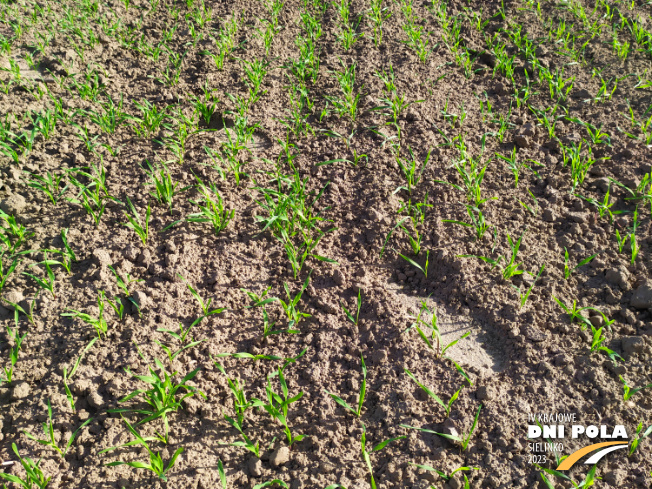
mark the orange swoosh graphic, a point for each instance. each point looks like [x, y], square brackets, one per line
[575, 456]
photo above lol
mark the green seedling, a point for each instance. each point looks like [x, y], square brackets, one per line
[240, 402]
[205, 305]
[290, 307]
[378, 14]
[207, 106]
[595, 133]
[13, 352]
[141, 227]
[183, 332]
[173, 354]
[98, 323]
[366, 454]
[277, 406]
[596, 344]
[220, 470]
[240, 406]
[156, 464]
[363, 390]
[411, 169]
[423, 269]
[472, 175]
[123, 285]
[447, 406]
[261, 301]
[65, 263]
[568, 270]
[211, 209]
[33, 472]
[433, 338]
[18, 309]
[48, 428]
[17, 231]
[348, 104]
[478, 222]
[633, 445]
[4, 274]
[603, 207]
[68, 376]
[163, 397]
[347, 27]
[575, 314]
[46, 283]
[272, 483]
[463, 440]
[587, 482]
[523, 297]
[151, 121]
[50, 185]
[513, 267]
[349, 315]
[444, 475]
[91, 201]
[165, 189]
[628, 391]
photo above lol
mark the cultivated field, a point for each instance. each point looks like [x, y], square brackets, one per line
[312, 244]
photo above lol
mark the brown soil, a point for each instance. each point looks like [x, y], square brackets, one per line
[520, 360]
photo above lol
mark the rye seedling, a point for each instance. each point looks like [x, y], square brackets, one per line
[463, 440]
[478, 222]
[447, 406]
[4, 274]
[575, 314]
[211, 207]
[67, 255]
[35, 475]
[587, 482]
[261, 301]
[50, 185]
[48, 428]
[366, 454]
[513, 267]
[156, 464]
[633, 445]
[123, 285]
[205, 305]
[240, 402]
[45, 283]
[277, 405]
[596, 344]
[173, 354]
[523, 297]
[435, 337]
[628, 391]
[349, 315]
[568, 270]
[290, 306]
[13, 352]
[98, 323]
[163, 397]
[363, 390]
[444, 475]
[348, 104]
[165, 189]
[17, 231]
[68, 376]
[151, 120]
[377, 14]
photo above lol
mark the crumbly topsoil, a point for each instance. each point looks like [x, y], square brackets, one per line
[520, 360]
